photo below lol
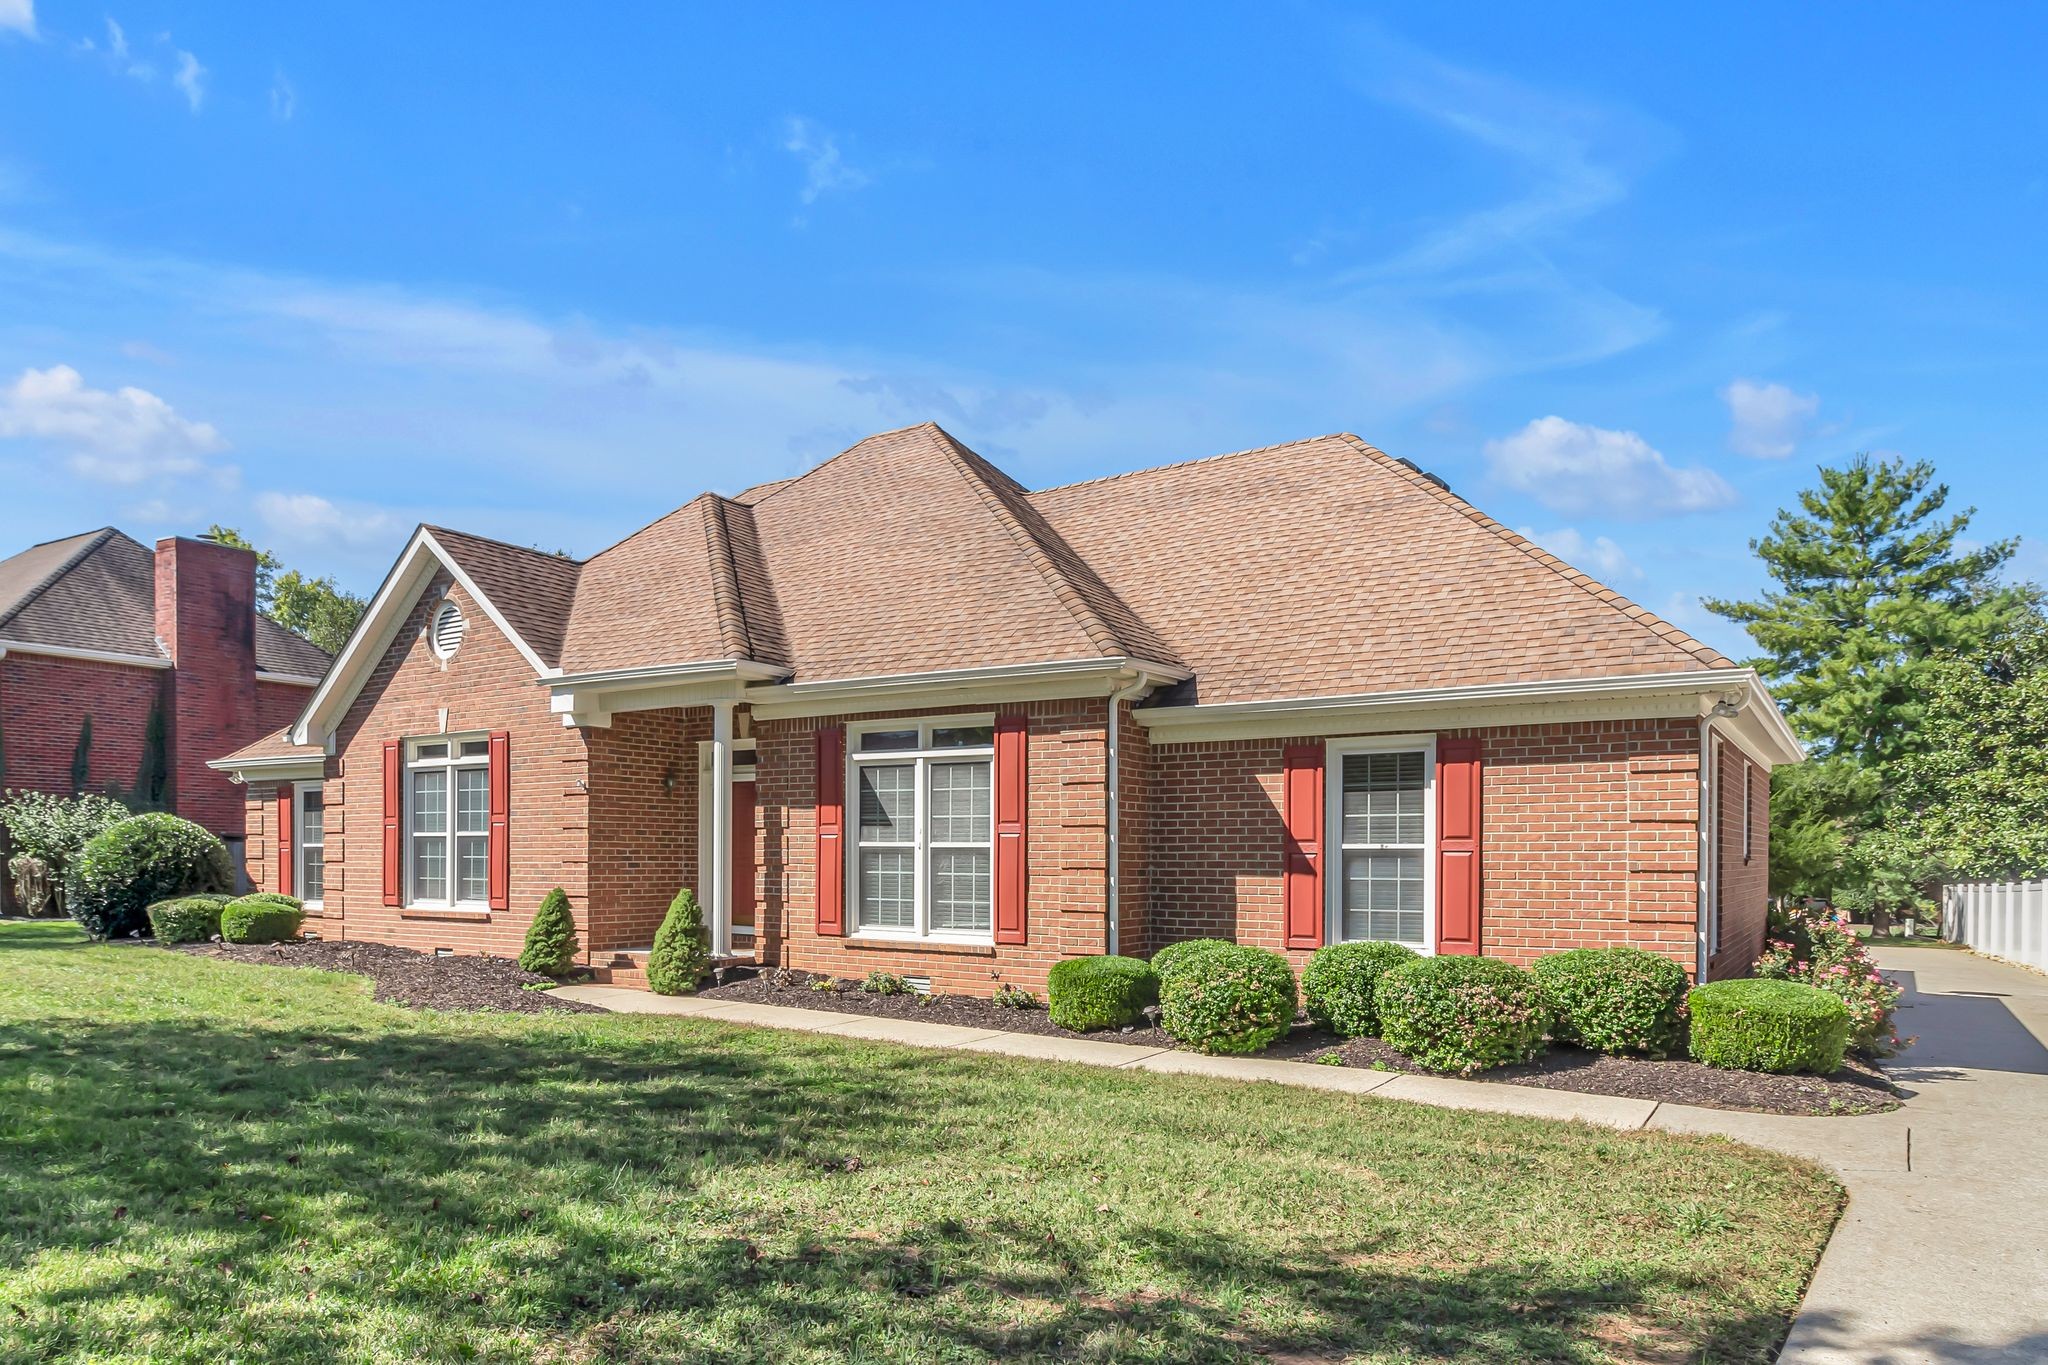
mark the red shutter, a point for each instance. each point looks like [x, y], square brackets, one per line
[1457, 845]
[1012, 792]
[831, 806]
[392, 769]
[285, 797]
[499, 850]
[1301, 797]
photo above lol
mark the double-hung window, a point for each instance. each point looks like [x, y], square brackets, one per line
[923, 856]
[448, 822]
[310, 825]
[1381, 827]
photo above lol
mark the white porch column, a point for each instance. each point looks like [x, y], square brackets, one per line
[720, 879]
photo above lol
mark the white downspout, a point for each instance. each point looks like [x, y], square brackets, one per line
[1117, 698]
[720, 880]
[1706, 828]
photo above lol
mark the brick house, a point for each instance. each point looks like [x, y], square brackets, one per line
[125, 670]
[901, 713]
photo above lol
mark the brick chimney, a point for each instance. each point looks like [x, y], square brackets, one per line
[206, 618]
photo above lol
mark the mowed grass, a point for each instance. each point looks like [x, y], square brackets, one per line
[208, 1161]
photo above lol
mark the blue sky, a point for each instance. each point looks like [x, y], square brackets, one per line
[1622, 274]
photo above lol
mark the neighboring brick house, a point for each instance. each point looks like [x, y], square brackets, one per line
[125, 671]
[901, 713]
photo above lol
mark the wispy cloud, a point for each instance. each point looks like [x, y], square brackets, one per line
[1768, 421]
[122, 436]
[309, 518]
[18, 16]
[284, 97]
[1599, 555]
[187, 74]
[1574, 468]
[826, 171]
[190, 78]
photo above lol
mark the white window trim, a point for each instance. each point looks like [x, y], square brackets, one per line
[413, 764]
[299, 793]
[1333, 829]
[920, 930]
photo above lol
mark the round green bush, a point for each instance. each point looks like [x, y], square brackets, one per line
[1337, 985]
[1758, 1025]
[1175, 956]
[274, 897]
[1462, 1014]
[1229, 998]
[1089, 993]
[186, 919]
[129, 866]
[1616, 1000]
[260, 919]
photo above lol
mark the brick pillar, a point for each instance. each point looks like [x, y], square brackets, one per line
[206, 618]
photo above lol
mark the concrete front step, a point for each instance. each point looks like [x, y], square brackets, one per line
[628, 967]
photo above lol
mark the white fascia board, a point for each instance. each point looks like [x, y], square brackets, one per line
[1632, 696]
[658, 675]
[540, 666]
[1005, 682]
[90, 656]
[294, 679]
[293, 768]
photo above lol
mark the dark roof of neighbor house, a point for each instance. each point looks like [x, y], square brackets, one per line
[1316, 568]
[97, 591]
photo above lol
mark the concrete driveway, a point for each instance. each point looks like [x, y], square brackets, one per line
[1943, 1253]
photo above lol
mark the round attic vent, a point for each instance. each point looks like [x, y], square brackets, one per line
[449, 628]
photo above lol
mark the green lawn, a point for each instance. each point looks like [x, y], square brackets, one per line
[207, 1161]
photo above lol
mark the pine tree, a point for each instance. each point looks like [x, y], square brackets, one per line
[680, 956]
[551, 939]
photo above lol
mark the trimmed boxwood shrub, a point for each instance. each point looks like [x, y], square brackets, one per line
[273, 897]
[1175, 956]
[1228, 998]
[680, 955]
[186, 919]
[550, 947]
[1616, 1000]
[1337, 985]
[131, 865]
[1780, 1026]
[1462, 1014]
[1089, 993]
[260, 919]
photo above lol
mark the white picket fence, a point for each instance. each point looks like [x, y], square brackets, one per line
[2004, 919]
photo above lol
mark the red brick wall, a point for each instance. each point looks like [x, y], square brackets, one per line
[206, 617]
[277, 705]
[1067, 841]
[43, 706]
[1589, 838]
[1136, 782]
[643, 838]
[1742, 885]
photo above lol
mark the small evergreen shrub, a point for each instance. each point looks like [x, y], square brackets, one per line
[260, 919]
[680, 955]
[1090, 993]
[132, 864]
[1174, 956]
[1229, 998]
[1462, 1014]
[550, 947]
[1616, 1000]
[1337, 985]
[274, 898]
[1760, 1025]
[885, 983]
[186, 919]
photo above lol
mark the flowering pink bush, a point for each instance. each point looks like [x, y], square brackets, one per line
[1817, 949]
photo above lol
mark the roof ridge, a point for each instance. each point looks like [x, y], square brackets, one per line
[94, 540]
[969, 465]
[1199, 459]
[784, 485]
[725, 581]
[432, 529]
[1578, 578]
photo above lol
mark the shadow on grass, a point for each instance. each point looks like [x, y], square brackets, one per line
[284, 1193]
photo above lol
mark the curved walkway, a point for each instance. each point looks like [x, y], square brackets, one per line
[1942, 1255]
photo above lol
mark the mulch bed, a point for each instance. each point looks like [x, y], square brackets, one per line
[1858, 1088]
[405, 977]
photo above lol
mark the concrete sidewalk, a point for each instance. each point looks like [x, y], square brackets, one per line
[1942, 1255]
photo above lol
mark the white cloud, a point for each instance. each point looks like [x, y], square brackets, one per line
[18, 16]
[284, 98]
[1767, 421]
[122, 437]
[308, 518]
[1598, 555]
[1574, 468]
[825, 170]
[118, 56]
[190, 78]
